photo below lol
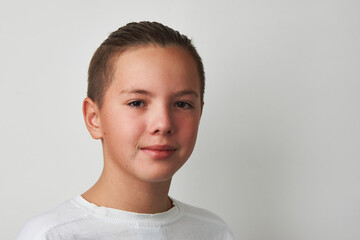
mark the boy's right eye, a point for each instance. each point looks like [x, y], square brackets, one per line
[136, 103]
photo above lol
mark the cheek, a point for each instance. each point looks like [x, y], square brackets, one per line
[123, 129]
[131, 129]
[189, 129]
[188, 136]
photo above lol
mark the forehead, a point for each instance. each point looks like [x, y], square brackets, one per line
[150, 65]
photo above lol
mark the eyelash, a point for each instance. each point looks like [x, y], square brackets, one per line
[135, 103]
[180, 104]
[187, 105]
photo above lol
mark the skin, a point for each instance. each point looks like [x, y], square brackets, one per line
[148, 125]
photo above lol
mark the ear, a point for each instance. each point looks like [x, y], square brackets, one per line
[92, 118]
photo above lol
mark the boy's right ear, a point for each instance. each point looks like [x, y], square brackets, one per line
[92, 118]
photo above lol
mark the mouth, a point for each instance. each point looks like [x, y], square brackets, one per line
[159, 151]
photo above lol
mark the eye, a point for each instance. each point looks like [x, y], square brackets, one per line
[136, 103]
[183, 105]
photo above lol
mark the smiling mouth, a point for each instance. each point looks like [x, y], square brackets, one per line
[159, 151]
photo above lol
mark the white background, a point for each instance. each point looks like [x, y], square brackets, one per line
[278, 153]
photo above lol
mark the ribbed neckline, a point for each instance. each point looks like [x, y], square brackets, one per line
[131, 218]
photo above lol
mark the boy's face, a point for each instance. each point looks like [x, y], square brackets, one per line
[151, 111]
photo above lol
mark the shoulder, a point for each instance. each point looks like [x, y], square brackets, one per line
[37, 227]
[205, 219]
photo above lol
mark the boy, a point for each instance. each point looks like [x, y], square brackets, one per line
[145, 99]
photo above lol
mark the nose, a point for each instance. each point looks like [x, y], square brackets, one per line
[161, 121]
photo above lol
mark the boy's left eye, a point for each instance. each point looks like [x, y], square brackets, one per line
[184, 105]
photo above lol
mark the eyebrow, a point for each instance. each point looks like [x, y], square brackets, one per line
[135, 91]
[186, 92]
[144, 92]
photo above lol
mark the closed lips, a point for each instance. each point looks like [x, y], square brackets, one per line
[159, 148]
[159, 151]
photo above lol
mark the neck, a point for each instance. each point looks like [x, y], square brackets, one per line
[112, 191]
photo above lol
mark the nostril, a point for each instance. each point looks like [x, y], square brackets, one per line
[164, 132]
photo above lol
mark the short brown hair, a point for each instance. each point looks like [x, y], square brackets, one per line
[132, 35]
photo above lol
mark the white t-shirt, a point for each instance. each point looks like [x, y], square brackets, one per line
[79, 219]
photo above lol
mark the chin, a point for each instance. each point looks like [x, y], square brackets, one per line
[159, 170]
[158, 176]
